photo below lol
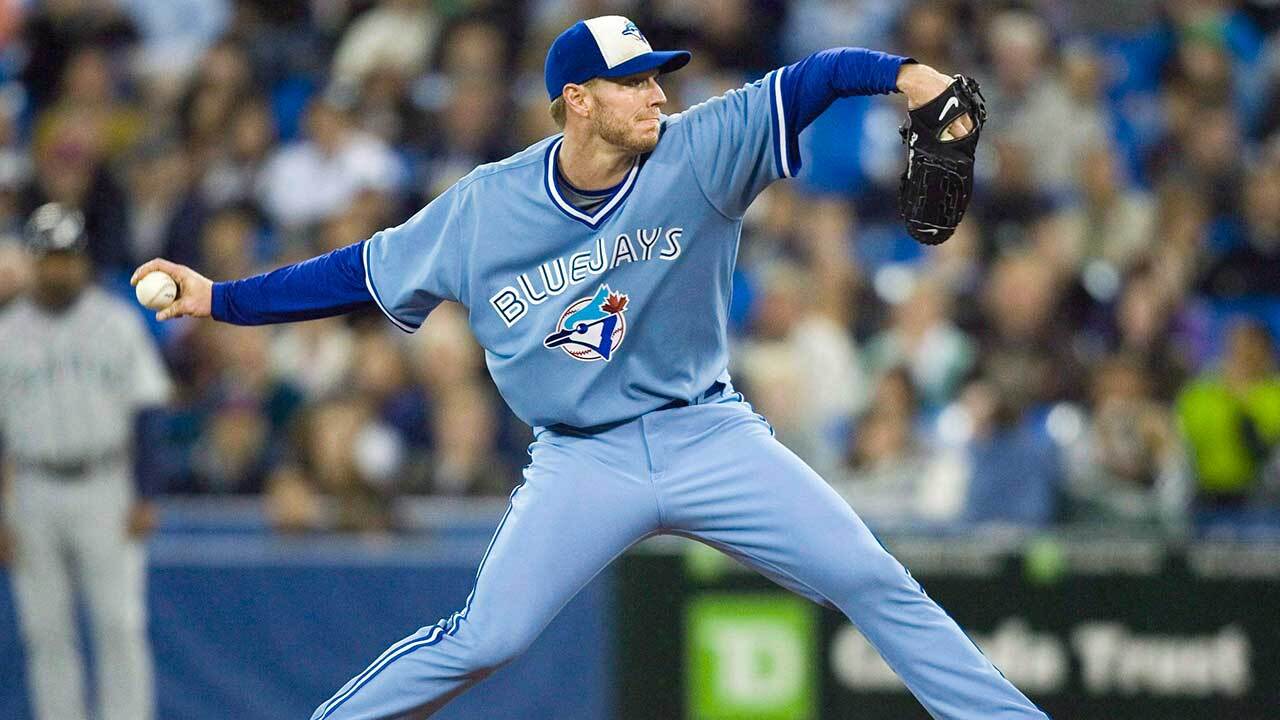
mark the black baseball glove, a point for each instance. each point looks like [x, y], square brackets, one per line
[938, 180]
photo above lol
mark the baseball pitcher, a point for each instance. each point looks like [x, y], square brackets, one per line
[596, 267]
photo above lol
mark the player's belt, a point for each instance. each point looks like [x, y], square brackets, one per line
[711, 392]
[75, 469]
[716, 388]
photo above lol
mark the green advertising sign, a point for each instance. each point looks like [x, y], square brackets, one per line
[751, 657]
[1090, 628]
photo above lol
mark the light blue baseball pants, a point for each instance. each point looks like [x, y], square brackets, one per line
[712, 472]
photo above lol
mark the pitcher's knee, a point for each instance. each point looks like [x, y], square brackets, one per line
[881, 573]
[495, 649]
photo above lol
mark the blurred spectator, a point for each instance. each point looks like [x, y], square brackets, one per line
[924, 341]
[1253, 268]
[1212, 163]
[233, 431]
[1128, 464]
[290, 41]
[175, 34]
[1183, 224]
[314, 356]
[1178, 117]
[464, 459]
[232, 171]
[366, 216]
[385, 109]
[800, 368]
[1112, 226]
[379, 371]
[165, 213]
[89, 101]
[1026, 350]
[1231, 418]
[69, 169]
[1218, 50]
[226, 247]
[469, 132]
[1033, 102]
[1145, 318]
[772, 229]
[814, 25]
[826, 227]
[737, 35]
[1011, 475]
[444, 354]
[344, 454]
[396, 35]
[769, 373]
[887, 464]
[928, 30]
[310, 181]
[474, 48]
[224, 80]
[1014, 202]
[57, 28]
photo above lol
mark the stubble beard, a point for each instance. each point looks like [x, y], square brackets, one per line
[621, 133]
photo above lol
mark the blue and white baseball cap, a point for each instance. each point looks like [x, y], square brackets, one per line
[610, 46]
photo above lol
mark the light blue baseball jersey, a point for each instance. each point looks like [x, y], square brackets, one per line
[595, 319]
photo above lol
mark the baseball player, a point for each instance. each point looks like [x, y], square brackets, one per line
[596, 267]
[78, 370]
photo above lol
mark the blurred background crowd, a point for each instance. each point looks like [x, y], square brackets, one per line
[1097, 344]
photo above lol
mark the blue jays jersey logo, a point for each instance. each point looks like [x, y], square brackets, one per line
[591, 328]
[631, 29]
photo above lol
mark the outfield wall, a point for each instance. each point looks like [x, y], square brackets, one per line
[250, 625]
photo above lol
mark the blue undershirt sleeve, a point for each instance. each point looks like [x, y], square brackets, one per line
[808, 87]
[324, 286]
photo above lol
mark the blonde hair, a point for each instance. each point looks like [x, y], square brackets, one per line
[559, 113]
[557, 110]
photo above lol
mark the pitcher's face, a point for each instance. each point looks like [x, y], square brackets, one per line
[625, 111]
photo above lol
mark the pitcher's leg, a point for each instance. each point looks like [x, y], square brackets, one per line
[743, 491]
[569, 519]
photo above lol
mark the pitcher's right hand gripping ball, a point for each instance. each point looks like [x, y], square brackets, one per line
[938, 180]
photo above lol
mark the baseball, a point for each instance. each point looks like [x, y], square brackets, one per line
[156, 290]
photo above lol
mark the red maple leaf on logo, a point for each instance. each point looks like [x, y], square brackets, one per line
[616, 303]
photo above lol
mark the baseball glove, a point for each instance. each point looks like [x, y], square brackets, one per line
[938, 180]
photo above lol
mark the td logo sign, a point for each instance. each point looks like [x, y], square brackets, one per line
[751, 657]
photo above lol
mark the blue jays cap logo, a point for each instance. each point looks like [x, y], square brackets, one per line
[631, 29]
[591, 328]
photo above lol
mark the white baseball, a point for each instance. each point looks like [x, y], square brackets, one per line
[156, 290]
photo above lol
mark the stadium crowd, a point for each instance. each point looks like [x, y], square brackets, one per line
[1096, 344]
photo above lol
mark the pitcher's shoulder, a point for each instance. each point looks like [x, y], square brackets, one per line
[515, 168]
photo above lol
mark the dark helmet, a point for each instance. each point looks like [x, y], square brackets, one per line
[54, 227]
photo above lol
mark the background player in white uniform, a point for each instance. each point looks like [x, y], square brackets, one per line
[597, 266]
[77, 370]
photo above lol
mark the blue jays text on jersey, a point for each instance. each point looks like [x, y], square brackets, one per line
[552, 278]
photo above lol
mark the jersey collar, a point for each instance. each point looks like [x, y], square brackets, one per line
[604, 211]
